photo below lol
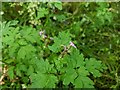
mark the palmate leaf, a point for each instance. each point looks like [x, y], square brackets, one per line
[26, 51]
[30, 70]
[83, 82]
[78, 68]
[63, 39]
[82, 71]
[94, 66]
[42, 12]
[76, 57]
[41, 80]
[43, 66]
[69, 76]
[22, 53]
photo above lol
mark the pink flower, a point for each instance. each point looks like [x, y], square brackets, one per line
[41, 33]
[72, 44]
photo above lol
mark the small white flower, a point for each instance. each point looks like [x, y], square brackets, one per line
[72, 44]
[1, 13]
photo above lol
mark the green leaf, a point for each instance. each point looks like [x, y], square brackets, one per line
[77, 58]
[13, 22]
[69, 76]
[94, 67]
[23, 67]
[78, 83]
[30, 70]
[22, 42]
[22, 53]
[87, 82]
[12, 51]
[51, 82]
[82, 71]
[62, 40]
[60, 17]
[58, 5]
[11, 72]
[83, 82]
[8, 40]
[42, 12]
[40, 80]
[8, 61]
[18, 71]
